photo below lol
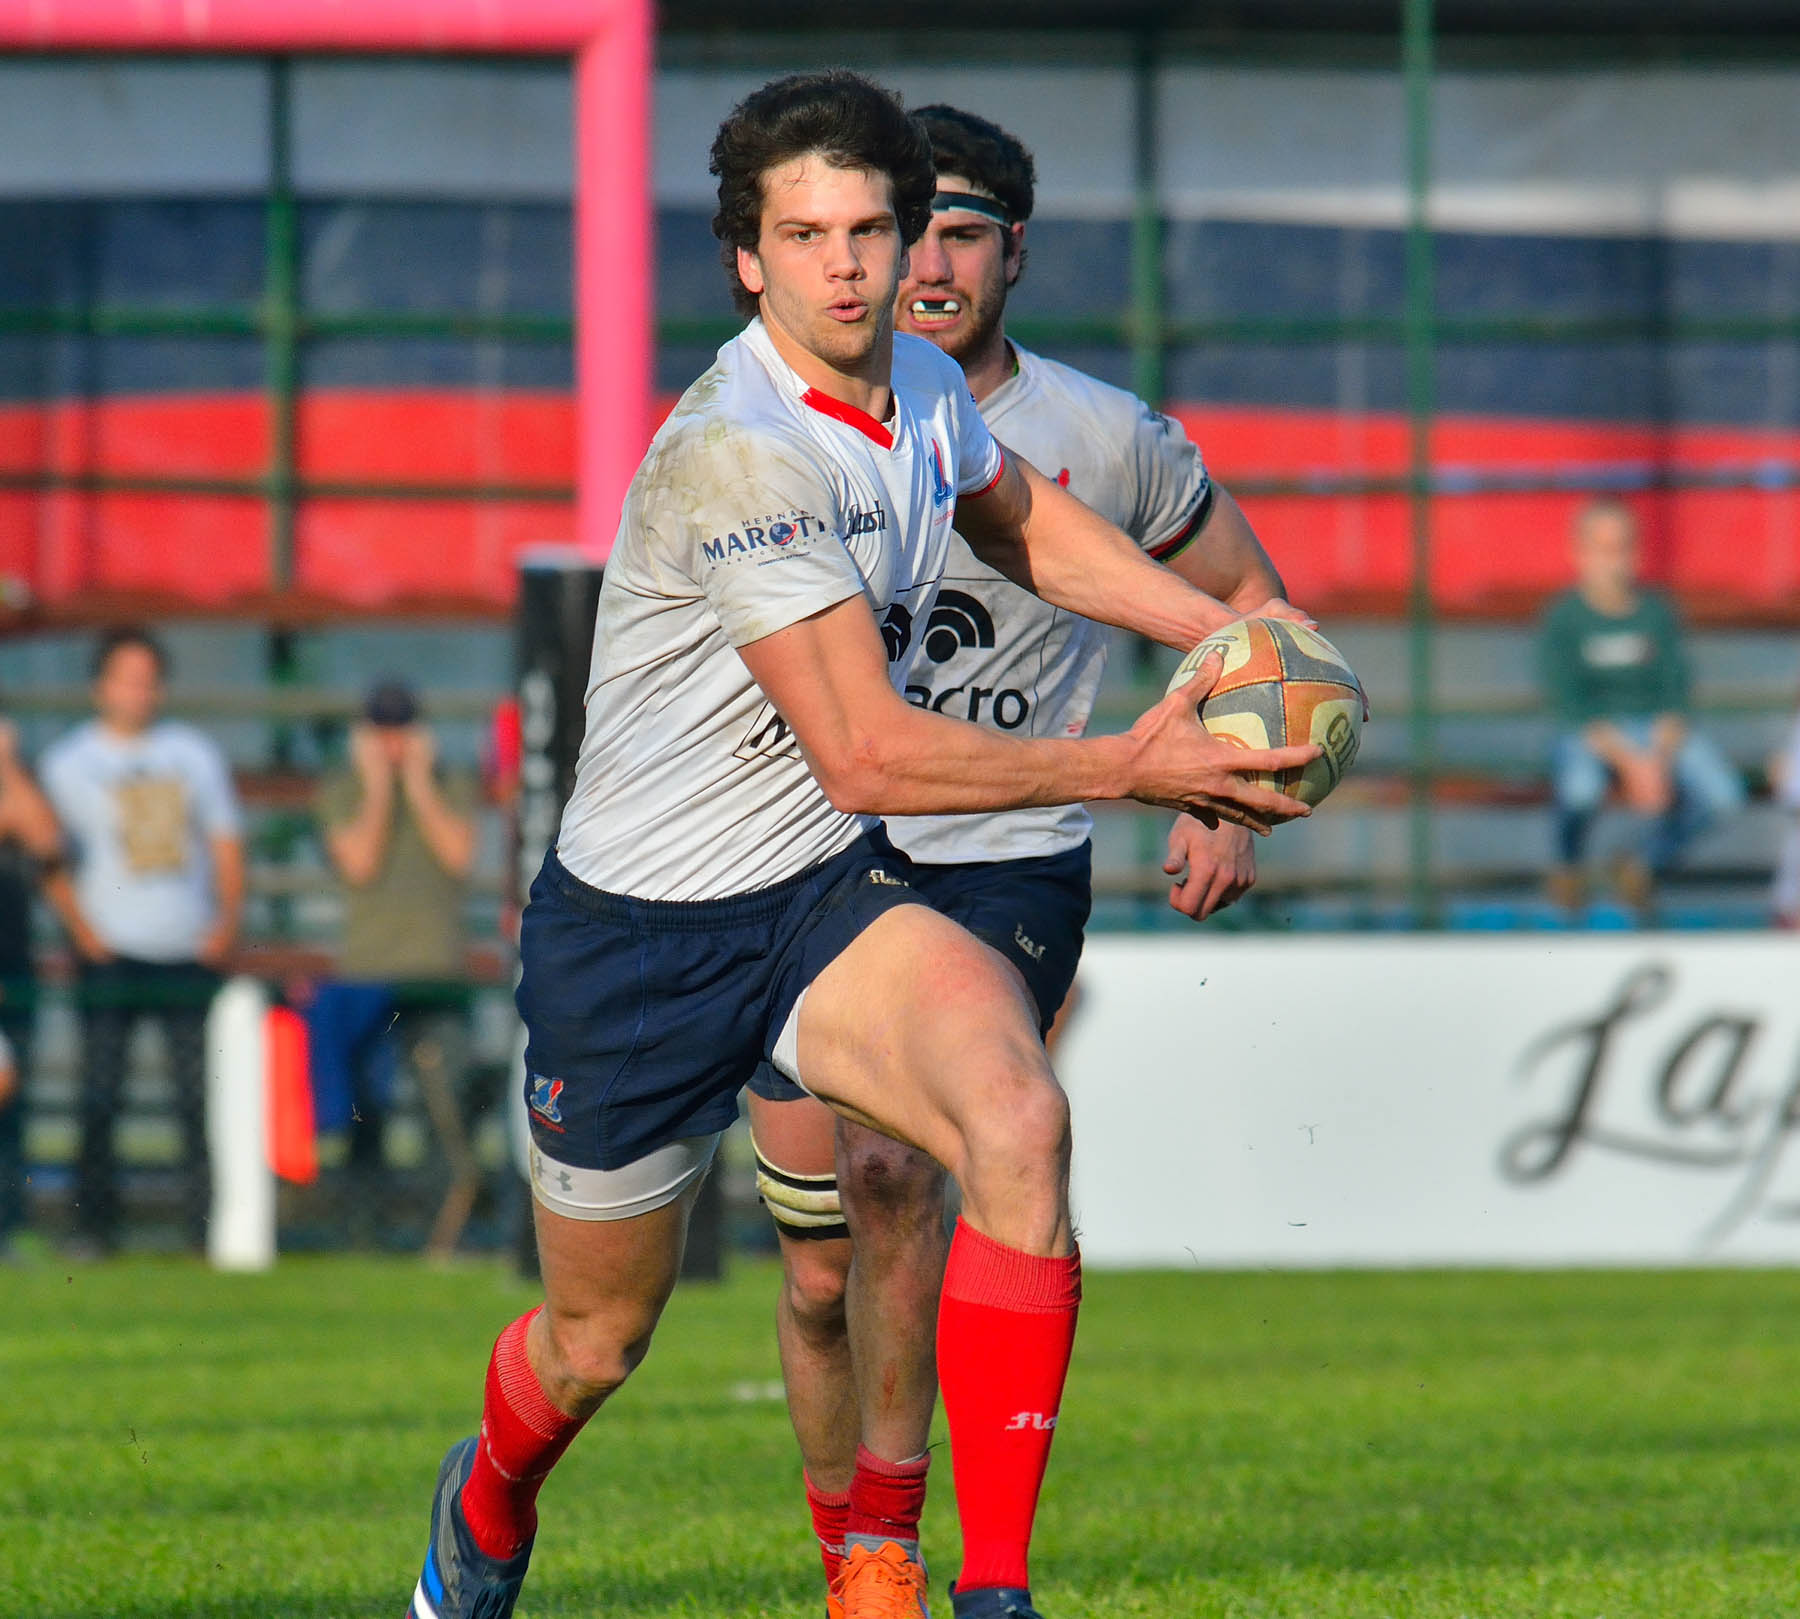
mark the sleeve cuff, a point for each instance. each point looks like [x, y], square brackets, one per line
[976, 494]
[1168, 550]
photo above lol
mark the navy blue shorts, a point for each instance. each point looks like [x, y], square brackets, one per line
[645, 1018]
[1033, 911]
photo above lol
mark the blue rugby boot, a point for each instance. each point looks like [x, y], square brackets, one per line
[993, 1602]
[460, 1580]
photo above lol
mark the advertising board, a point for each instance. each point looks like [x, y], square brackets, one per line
[1533, 1100]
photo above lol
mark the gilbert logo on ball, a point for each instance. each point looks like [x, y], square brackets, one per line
[1282, 684]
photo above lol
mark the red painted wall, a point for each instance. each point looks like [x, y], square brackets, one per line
[1728, 552]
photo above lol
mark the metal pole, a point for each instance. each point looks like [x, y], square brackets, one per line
[1146, 327]
[1146, 232]
[281, 325]
[1421, 355]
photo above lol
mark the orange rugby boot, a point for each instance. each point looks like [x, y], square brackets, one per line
[881, 1580]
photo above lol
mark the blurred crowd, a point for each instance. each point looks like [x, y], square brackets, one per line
[131, 832]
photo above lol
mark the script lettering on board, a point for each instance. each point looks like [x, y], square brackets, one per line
[1697, 1109]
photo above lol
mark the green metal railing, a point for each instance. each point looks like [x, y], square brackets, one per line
[281, 340]
[1421, 364]
[1144, 328]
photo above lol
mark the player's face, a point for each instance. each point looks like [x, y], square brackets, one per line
[955, 294]
[828, 260]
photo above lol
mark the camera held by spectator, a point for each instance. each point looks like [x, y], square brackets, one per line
[400, 834]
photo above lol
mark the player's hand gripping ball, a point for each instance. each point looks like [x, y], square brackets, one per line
[1282, 684]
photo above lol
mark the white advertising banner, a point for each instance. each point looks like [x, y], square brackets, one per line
[1630, 1099]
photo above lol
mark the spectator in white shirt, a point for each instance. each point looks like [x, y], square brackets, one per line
[158, 885]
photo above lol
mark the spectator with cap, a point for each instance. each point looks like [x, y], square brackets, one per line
[158, 889]
[400, 834]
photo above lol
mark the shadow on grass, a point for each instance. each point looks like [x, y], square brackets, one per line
[1396, 1535]
[674, 1590]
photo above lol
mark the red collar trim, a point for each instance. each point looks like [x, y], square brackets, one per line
[861, 420]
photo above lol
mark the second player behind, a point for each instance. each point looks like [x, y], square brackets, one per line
[855, 1318]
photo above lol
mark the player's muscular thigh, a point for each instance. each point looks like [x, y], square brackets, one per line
[921, 1030]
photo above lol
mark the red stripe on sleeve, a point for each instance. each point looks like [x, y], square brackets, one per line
[987, 488]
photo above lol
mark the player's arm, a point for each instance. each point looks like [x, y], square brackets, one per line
[25, 812]
[228, 889]
[358, 822]
[63, 787]
[876, 754]
[1040, 536]
[1226, 560]
[1194, 527]
[1214, 867]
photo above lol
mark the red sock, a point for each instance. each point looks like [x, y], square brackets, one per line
[523, 1436]
[830, 1515]
[1006, 1326]
[886, 1498]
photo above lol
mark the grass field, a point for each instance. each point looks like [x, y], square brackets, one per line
[174, 1443]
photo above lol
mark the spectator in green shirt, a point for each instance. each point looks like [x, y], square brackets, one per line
[1616, 676]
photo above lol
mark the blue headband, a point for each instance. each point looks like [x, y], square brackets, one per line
[968, 202]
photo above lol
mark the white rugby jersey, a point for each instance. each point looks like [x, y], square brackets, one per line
[761, 501]
[994, 653]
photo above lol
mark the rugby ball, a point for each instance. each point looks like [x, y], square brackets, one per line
[1282, 684]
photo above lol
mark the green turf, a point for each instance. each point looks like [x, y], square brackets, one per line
[174, 1443]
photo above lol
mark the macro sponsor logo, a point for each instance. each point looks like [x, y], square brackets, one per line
[1009, 709]
[771, 534]
[957, 621]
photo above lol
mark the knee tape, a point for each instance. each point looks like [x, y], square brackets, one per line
[802, 1205]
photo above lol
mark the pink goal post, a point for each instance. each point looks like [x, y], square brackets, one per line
[611, 42]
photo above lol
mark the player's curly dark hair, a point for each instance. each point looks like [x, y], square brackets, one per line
[850, 121]
[962, 143]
